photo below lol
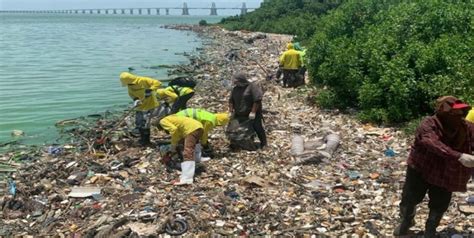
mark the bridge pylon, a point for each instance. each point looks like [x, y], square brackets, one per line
[167, 11]
[139, 11]
[185, 9]
[243, 10]
[157, 11]
[213, 9]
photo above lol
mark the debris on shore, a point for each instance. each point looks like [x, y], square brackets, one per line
[119, 189]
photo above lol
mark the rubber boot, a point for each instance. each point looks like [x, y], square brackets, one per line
[431, 223]
[407, 215]
[187, 173]
[145, 137]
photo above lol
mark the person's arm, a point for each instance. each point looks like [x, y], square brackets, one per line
[207, 127]
[282, 60]
[427, 135]
[256, 106]
[154, 84]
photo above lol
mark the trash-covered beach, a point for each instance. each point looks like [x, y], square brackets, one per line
[345, 181]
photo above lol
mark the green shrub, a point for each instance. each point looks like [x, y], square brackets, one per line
[326, 98]
[203, 23]
[391, 59]
[295, 17]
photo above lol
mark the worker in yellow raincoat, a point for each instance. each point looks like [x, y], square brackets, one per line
[290, 63]
[302, 70]
[143, 92]
[208, 120]
[470, 116]
[190, 131]
[176, 95]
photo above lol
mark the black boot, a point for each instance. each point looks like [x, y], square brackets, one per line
[407, 215]
[431, 223]
[145, 137]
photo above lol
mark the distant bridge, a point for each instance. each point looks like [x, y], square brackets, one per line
[138, 11]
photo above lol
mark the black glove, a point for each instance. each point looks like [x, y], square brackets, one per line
[147, 92]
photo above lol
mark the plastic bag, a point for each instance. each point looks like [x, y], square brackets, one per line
[241, 134]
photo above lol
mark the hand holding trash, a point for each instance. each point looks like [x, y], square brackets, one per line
[252, 115]
[467, 160]
[137, 103]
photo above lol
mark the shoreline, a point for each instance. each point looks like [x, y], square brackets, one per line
[355, 192]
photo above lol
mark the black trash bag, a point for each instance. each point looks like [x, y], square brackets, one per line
[241, 134]
[183, 82]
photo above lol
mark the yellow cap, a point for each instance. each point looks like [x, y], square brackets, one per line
[222, 118]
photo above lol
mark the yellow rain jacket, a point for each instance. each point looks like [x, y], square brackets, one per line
[136, 89]
[207, 119]
[470, 116]
[291, 58]
[179, 127]
[169, 94]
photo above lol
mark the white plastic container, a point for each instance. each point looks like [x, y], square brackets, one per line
[297, 144]
[332, 142]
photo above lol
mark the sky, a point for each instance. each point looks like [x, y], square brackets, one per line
[88, 4]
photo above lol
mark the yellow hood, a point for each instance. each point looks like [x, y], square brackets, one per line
[290, 46]
[127, 78]
[222, 118]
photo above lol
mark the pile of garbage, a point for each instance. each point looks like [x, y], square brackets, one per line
[323, 172]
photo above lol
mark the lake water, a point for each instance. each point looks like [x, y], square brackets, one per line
[57, 67]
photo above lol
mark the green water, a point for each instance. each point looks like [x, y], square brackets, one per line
[56, 67]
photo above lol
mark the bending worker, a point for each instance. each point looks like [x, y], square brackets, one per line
[440, 163]
[290, 63]
[176, 95]
[187, 129]
[208, 120]
[142, 91]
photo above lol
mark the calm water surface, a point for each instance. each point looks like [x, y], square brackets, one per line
[56, 67]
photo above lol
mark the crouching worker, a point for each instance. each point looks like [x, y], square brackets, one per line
[177, 96]
[187, 129]
[440, 163]
[208, 120]
[142, 91]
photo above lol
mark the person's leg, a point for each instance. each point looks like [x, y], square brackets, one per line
[188, 165]
[145, 129]
[414, 191]
[438, 204]
[139, 120]
[258, 127]
[285, 77]
[293, 82]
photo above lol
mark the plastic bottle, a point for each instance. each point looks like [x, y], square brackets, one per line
[297, 144]
[332, 142]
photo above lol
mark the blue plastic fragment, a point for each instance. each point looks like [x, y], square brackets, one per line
[389, 153]
[353, 174]
[470, 199]
[53, 150]
[11, 187]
